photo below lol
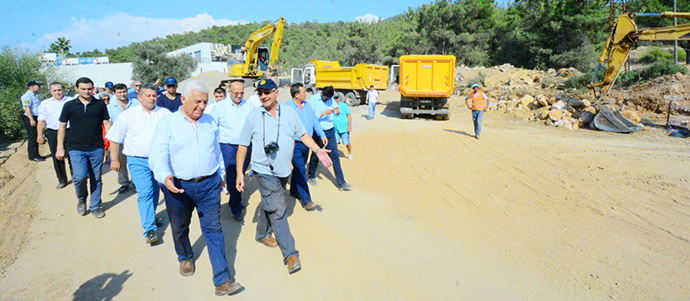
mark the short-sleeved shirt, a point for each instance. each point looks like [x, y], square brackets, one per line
[171, 104]
[309, 121]
[86, 123]
[253, 133]
[340, 121]
[134, 128]
[114, 108]
[230, 118]
[373, 95]
[50, 111]
[321, 106]
[30, 99]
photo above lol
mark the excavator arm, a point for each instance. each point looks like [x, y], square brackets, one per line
[256, 38]
[623, 37]
[275, 47]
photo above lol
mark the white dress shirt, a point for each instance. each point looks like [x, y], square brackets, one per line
[185, 150]
[230, 118]
[50, 111]
[134, 128]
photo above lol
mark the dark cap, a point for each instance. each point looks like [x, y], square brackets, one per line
[328, 91]
[267, 84]
[33, 83]
[171, 81]
[109, 85]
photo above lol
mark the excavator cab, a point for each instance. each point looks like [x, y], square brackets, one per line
[263, 57]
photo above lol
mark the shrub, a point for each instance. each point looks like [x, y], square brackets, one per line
[17, 67]
[656, 55]
[650, 72]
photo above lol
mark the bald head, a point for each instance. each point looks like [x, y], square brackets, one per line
[236, 92]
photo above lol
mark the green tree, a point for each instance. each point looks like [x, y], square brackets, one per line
[62, 45]
[17, 67]
[150, 63]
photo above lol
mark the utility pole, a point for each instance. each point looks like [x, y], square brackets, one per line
[675, 43]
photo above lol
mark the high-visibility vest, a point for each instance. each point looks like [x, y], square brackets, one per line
[478, 101]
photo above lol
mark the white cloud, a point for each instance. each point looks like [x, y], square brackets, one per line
[368, 18]
[121, 29]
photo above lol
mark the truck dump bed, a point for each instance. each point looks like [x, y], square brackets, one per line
[359, 77]
[427, 75]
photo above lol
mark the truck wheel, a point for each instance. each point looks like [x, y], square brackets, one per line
[351, 99]
[341, 96]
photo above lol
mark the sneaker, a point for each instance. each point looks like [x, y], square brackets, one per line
[312, 182]
[81, 208]
[309, 206]
[476, 136]
[61, 185]
[98, 213]
[349, 156]
[151, 237]
[345, 187]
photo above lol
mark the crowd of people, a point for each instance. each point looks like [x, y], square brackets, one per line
[159, 140]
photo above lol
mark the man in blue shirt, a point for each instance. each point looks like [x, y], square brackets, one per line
[230, 115]
[298, 183]
[133, 91]
[30, 103]
[324, 106]
[170, 100]
[185, 156]
[270, 130]
[115, 108]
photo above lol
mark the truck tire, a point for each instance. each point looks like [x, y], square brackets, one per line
[341, 97]
[351, 99]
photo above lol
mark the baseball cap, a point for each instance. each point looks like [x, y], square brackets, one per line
[475, 85]
[171, 81]
[33, 82]
[267, 84]
[109, 85]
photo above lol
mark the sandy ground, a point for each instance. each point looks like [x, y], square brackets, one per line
[527, 212]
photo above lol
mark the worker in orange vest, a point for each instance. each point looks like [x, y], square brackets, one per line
[478, 102]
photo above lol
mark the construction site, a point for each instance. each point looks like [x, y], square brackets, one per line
[569, 194]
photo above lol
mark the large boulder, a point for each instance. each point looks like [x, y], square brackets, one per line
[526, 100]
[555, 115]
[576, 103]
[559, 105]
[633, 116]
[542, 101]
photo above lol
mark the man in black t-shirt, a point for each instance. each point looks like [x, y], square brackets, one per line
[87, 116]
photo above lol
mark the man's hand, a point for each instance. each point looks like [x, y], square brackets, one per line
[41, 140]
[222, 184]
[239, 182]
[115, 165]
[171, 186]
[32, 122]
[324, 157]
[349, 128]
[60, 154]
[337, 110]
[325, 141]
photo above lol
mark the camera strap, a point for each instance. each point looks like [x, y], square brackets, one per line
[263, 119]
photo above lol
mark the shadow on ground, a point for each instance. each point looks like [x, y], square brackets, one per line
[102, 287]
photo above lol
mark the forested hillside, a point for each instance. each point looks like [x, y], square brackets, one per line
[527, 33]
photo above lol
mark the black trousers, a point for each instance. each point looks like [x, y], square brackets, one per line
[60, 171]
[32, 145]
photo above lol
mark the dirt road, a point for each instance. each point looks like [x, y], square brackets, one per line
[527, 212]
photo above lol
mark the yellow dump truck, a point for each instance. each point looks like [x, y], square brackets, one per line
[426, 83]
[350, 83]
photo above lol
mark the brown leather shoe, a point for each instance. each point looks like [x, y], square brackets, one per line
[187, 267]
[269, 241]
[293, 264]
[227, 288]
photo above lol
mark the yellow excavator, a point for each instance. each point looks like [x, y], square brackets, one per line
[623, 37]
[257, 62]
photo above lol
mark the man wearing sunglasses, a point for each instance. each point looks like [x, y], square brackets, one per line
[170, 100]
[270, 130]
[230, 115]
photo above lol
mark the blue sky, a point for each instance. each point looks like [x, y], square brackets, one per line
[110, 24]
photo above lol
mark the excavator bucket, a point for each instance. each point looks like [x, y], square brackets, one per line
[611, 120]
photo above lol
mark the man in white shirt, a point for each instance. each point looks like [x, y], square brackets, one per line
[135, 126]
[372, 97]
[230, 115]
[49, 119]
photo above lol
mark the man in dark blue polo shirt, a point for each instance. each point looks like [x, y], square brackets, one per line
[170, 100]
[86, 116]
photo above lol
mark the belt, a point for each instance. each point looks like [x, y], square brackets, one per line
[199, 179]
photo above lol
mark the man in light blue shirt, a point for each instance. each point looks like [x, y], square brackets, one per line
[185, 156]
[298, 183]
[31, 103]
[270, 130]
[324, 106]
[115, 108]
[230, 115]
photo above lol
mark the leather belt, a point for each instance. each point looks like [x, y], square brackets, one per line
[199, 179]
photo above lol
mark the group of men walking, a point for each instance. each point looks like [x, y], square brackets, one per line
[186, 150]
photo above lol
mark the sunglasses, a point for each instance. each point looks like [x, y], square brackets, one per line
[239, 93]
[265, 92]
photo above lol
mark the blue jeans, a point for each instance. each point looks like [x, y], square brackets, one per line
[272, 216]
[333, 147]
[205, 197]
[230, 159]
[477, 116]
[298, 183]
[87, 164]
[372, 109]
[147, 191]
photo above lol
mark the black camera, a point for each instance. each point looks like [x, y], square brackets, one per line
[271, 148]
